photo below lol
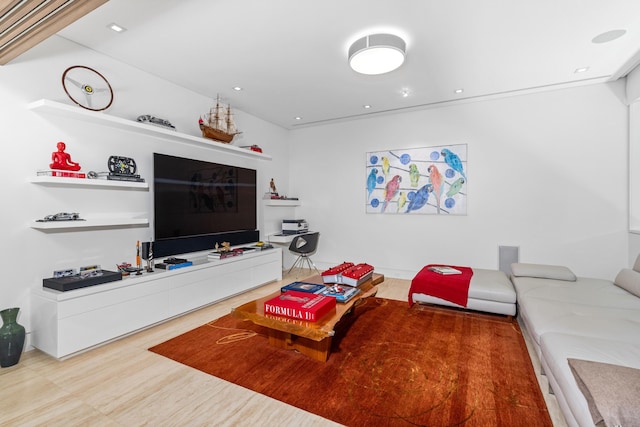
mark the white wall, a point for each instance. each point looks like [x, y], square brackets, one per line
[29, 139]
[546, 172]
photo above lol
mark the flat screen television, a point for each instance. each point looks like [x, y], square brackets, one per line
[199, 203]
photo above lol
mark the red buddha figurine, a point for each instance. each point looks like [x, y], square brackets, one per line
[62, 160]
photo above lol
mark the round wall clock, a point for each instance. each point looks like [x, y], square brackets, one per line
[87, 88]
[122, 165]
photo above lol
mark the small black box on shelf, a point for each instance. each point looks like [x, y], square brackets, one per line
[70, 283]
[173, 260]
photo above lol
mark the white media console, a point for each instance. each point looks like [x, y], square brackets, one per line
[65, 323]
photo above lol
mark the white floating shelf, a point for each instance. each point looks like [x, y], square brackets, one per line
[87, 116]
[280, 202]
[89, 223]
[84, 182]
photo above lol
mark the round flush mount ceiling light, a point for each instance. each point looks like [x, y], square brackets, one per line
[377, 54]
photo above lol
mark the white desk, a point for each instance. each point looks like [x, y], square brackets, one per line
[279, 238]
[284, 240]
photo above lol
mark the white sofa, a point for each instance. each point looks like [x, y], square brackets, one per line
[571, 317]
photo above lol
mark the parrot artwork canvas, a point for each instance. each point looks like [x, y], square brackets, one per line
[427, 180]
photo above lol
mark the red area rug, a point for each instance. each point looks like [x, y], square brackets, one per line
[390, 366]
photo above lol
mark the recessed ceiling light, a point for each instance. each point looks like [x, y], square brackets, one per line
[405, 93]
[366, 107]
[237, 88]
[115, 27]
[581, 70]
[298, 118]
[458, 91]
[608, 36]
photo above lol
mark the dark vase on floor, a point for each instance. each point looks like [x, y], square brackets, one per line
[12, 337]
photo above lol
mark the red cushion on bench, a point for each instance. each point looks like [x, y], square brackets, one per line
[450, 287]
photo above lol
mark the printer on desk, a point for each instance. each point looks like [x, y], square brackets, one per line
[294, 226]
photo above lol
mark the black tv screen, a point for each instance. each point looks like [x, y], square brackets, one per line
[200, 201]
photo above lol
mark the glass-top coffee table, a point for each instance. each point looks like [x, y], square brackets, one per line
[310, 338]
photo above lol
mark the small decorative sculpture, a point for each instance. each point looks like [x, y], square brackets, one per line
[150, 258]
[146, 118]
[272, 185]
[225, 247]
[62, 160]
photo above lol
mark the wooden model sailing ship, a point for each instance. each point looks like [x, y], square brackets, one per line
[218, 124]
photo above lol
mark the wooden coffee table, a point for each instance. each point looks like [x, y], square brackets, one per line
[310, 338]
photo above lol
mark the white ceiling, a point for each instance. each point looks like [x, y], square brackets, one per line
[290, 56]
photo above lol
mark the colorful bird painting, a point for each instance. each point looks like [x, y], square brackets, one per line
[414, 175]
[402, 200]
[453, 161]
[420, 198]
[401, 181]
[455, 187]
[435, 177]
[391, 190]
[371, 182]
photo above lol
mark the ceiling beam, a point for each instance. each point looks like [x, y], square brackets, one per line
[25, 23]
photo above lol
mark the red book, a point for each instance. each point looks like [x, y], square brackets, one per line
[356, 275]
[62, 173]
[332, 275]
[300, 305]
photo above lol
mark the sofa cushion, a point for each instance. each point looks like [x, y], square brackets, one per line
[558, 348]
[636, 265]
[585, 290]
[542, 315]
[542, 271]
[491, 285]
[610, 390]
[629, 280]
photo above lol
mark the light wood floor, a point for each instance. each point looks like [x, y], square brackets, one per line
[123, 384]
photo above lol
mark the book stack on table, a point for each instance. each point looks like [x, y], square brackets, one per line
[300, 305]
[357, 274]
[348, 274]
[312, 288]
[333, 274]
[342, 294]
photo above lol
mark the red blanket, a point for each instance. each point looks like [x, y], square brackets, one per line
[450, 287]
